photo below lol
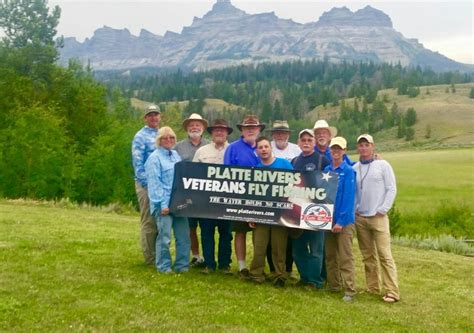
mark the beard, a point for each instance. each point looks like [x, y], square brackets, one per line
[281, 144]
[195, 134]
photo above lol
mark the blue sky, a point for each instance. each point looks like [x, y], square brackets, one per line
[443, 26]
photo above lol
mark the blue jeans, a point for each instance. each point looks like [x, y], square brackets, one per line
[180, 226]
[308, 253]
[224, 252]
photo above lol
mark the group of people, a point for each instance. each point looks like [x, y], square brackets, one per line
[324, 259]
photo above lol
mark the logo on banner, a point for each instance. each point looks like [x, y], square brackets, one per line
[317, 216]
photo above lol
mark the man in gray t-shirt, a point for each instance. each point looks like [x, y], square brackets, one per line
[195, 126]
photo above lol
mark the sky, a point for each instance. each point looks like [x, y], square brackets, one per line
[443, 26]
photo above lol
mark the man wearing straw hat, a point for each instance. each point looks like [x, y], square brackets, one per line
[283, 149]
[323, 133]
[214, 153]
[143, 145]
[242, 153]
[195, 126]
[280, 145]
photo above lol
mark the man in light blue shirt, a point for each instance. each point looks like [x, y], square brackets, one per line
[143, 145]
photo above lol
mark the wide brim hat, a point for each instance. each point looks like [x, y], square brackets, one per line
[324, 124]
[280, 126]
[220, 123]
[194, 117]
[251, 121]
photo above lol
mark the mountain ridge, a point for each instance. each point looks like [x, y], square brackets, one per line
[227, 35]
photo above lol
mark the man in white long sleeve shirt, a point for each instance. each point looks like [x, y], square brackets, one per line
[376, 191]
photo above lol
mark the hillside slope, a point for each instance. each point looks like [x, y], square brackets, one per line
[450, 117]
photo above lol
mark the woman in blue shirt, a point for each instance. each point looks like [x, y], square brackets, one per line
[339, 257]
[159, 170]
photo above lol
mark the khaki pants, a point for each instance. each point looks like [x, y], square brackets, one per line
[373, 234]
[148, 231]
[261, 237]
[340, 263]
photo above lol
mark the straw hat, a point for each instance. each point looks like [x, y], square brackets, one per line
[324, 124]
[194, 117]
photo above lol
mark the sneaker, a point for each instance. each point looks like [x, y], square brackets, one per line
[197, 263]
[348, 298]
[300, 283]
[206, 270]
[279, 283]
[244, 273]
[292, 276]
[226, 271]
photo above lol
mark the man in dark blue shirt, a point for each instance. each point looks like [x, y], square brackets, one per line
[242, 153]
[308, 248]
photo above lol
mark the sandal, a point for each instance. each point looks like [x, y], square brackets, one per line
[389, 299]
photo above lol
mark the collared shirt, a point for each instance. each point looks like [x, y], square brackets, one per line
[211, 153]
[289, 153]
[278, 163]
[143, 144]
[160, 172]
[344, 209]
[186, 149]
[376, 187]
[327, 153]
[241, 153]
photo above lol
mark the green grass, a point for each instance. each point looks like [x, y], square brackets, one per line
[80, 269]
[426, 179]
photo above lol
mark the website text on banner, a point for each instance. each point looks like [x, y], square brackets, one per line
[303, 200]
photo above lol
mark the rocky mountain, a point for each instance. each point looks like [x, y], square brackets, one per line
[228, 36]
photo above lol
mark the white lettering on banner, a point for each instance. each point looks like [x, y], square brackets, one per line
[229, 173]
[213, 185]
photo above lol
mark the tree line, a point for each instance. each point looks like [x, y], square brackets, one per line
[64, 134]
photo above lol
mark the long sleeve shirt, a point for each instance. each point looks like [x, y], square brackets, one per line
[143, 144]
[241, 153]
[344, 208]
[376, 187]
[160, 172]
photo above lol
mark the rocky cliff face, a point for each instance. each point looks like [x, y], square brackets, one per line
[228, 36]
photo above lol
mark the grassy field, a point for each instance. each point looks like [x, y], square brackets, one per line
[427, 178]
[70, 269]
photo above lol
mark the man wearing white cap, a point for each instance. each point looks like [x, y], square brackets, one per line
[376, 191]
[195, 126]
[323, 134]
[143, 145]
[308, 245]
[339, 257]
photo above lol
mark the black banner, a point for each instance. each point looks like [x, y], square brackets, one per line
[288, 198]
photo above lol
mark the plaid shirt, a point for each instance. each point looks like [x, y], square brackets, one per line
[159, 169]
